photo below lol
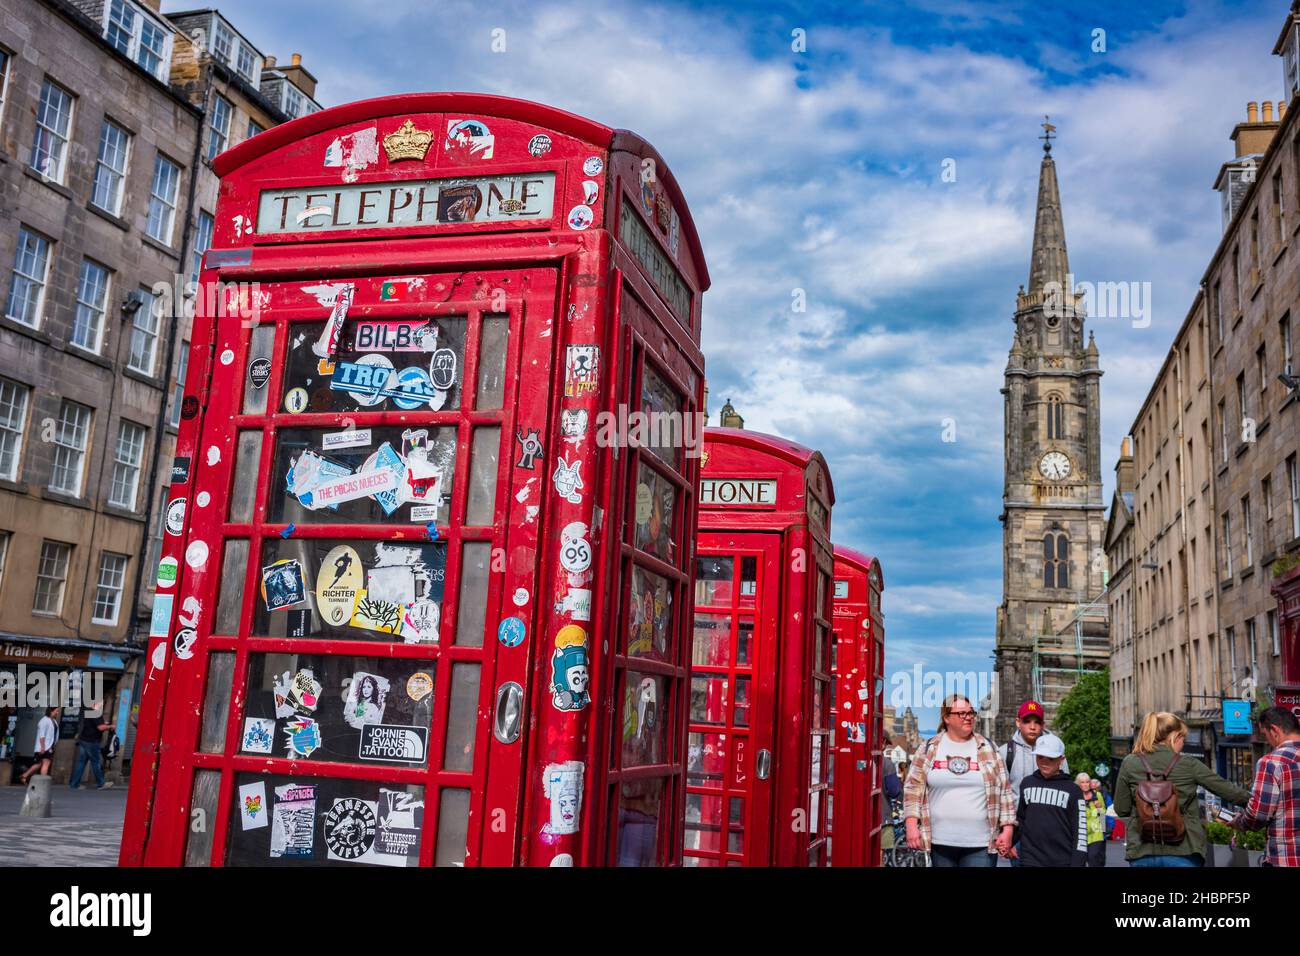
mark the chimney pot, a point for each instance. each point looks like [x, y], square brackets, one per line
[297, 59]
[1252, 112]
[1268, 111]
[268, 61]
[1281, 110]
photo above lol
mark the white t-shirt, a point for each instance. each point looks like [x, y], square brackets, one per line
[47, 735]
[958, 805]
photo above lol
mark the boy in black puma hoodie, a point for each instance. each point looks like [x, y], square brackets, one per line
[1052, 817]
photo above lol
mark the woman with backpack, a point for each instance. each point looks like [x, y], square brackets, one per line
[1155, 794]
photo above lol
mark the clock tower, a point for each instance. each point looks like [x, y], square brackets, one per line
[1053, 517]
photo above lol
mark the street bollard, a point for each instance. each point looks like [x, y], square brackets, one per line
[37, 801]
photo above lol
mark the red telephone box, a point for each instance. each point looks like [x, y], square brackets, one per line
[399, 616]
[760, 723]
[859, 668]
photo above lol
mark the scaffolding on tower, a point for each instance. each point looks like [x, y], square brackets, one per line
[1061, 657]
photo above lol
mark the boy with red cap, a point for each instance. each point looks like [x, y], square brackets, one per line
[1018, 752]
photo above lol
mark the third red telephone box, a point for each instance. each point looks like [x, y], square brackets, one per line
[424, 595]
[859, 669]
[759, 753]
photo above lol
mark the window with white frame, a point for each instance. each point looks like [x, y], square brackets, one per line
[178, 386]
[1273, 635]
[4, 553]
[293, 101]
[92, 303]
[202, 242]
[51, 576]
[254, 127]
[144, 335]
[1248, 533]
[71, 434]
[218, 127]
[31, 272]
[53, 128]
[13, 422]
[1293, 480]
[5, 59]
[127, 456]
[246, 63]
[110, 167]
[162, 199]
[222, 42]
[108, 589]
[135, 32]
[1284, 332]
[1227, 545]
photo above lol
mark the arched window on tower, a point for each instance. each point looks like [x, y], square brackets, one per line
[1055, 417]
[1056, 560]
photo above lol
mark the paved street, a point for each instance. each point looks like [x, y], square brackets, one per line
[83, 829]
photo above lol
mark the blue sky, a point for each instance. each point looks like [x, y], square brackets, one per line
[821, 171]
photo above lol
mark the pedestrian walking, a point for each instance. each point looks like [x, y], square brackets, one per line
[1275, 795]
[1051, 817]
[1155, 794]
[1018, 752]
[47, 735]
[957, 801]
[1095, 805]
[89, 742]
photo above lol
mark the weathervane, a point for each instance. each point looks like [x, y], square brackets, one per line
[1048, 130]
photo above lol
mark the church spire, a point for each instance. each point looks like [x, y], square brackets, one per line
[1048, 262]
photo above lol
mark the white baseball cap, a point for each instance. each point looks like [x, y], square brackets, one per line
[1049, 745]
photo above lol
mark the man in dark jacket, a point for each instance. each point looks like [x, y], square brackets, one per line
[1053, 824]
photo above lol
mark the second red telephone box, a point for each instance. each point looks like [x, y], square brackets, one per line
[759, 753]
[858, 666]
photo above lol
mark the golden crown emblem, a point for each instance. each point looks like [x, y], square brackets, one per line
[407, 143]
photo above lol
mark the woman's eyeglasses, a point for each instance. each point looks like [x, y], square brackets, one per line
[962, 714]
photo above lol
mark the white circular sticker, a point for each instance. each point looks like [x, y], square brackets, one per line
[592, 165]
[580, 217]
[196, 555]
[202, 499]
[521, 597]
[575, 551]
[176, 516]
[184, 643]
[214, 454]
[160, 655]
[227, 357]
[168, 568]
[590, 190]
[296, 401]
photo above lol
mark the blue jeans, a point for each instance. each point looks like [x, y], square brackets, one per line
[1194, 859]
[87, 751]
[952, 856]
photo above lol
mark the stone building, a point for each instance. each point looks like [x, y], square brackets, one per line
[1160, 549]
[1048, 629]
[1216, 537]
[109, 116]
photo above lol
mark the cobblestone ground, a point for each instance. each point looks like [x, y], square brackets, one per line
[84, 828]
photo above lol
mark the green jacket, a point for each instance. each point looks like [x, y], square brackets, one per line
[1189, 773]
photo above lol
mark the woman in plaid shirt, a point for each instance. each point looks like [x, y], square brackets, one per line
[957, 800]
[1275, 795]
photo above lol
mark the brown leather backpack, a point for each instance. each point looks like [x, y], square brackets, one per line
[1160, 818]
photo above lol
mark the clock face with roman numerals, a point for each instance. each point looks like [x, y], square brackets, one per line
[1054, 466]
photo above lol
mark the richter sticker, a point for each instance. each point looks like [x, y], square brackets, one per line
[259, 735]
[338, 584]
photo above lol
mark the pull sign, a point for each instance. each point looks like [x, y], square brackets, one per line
[508, 720]
[763, 765]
